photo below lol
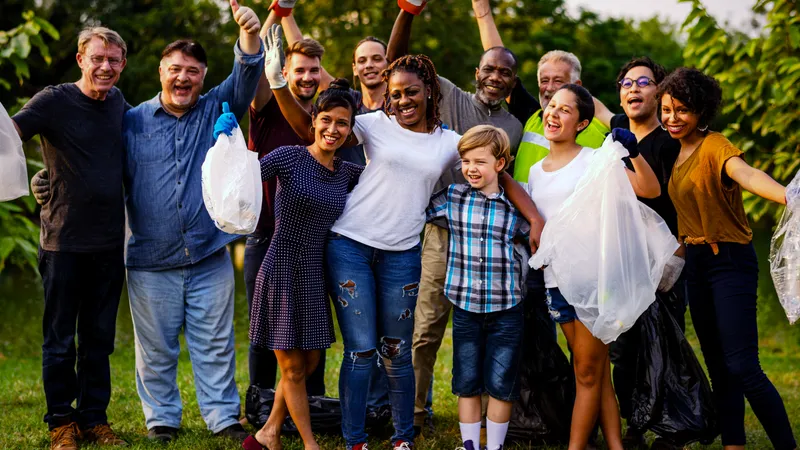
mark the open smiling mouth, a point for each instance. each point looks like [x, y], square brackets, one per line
[408, 111]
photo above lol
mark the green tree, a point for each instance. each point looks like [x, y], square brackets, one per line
[20, 235]
[759, 78]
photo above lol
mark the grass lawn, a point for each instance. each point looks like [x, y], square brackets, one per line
[22, 403]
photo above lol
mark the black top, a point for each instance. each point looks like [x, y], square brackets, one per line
[522, 104]
[660, 151]
[83, 151]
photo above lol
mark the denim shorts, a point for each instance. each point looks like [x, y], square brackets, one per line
[486, 352]
[560, 310]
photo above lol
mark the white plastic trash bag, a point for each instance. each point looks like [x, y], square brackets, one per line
[13, 168]
[607, 250]
[232, 188]
[784, 253]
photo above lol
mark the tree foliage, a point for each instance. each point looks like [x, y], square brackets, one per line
[20, 236]
[760, 81]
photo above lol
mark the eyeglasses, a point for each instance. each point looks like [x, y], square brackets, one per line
[642, 81]
[99, 60]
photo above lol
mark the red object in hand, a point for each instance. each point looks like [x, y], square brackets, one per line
[412, 6]
[283, 8]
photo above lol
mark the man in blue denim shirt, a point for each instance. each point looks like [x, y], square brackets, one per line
[179, 272]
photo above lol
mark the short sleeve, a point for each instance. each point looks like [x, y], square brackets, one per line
[364, 124]
[438, 205]
[35, 116]
[279, 161]
[620, 121]
[455, 159]
[353, 174]
[719, 152]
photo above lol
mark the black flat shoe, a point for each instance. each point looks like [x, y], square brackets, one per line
[162, 434]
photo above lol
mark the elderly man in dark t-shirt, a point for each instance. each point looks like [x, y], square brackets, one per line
[82, 232]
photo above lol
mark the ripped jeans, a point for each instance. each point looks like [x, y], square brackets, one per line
[375, 293]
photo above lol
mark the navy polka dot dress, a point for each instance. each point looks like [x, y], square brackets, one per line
[290, 306]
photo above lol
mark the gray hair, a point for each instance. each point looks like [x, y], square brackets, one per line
[562, 56]
[107, 35]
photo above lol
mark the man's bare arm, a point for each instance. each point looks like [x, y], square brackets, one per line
[490, 36]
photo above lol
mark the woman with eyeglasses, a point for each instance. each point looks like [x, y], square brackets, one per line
[721, 266]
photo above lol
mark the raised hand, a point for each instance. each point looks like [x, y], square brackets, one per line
[245, 18]
[412, 6]
[627, 139]
[274, 58]
[226, 123]
[282, 8]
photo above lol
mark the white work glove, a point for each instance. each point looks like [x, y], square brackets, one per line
[672, 271]
[412, 6]
[282, 8]
[274, 58]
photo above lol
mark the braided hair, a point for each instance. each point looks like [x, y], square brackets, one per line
[423, 67]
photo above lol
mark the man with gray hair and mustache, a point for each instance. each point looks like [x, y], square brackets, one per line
[82, 232]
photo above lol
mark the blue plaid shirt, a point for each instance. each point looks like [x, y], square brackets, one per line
[484, 266]
[169, 224]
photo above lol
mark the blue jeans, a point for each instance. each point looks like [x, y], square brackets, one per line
[262, 363]
[197, 299]
[723, 293]
[486, 352]
[82, 289]
[375, 293]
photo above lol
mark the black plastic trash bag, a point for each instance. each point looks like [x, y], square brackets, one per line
[671, 394]
[543, 413]
[326, 412]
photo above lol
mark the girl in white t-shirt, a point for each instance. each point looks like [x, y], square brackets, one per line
[372, 257]
[550, 182]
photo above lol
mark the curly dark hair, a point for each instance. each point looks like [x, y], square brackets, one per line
[337, 94]
[423, 67]
[699, 92]
[643, 61]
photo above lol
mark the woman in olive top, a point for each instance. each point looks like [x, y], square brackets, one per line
[721, 266]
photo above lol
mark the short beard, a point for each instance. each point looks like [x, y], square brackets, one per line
[296, 92]
[490, 103]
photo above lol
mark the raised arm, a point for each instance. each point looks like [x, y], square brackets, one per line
[401, 36]
[263, 92]
[298, 118]
[602, 113]
[293, 34]
[490, 36]
[524, 204]
[249, 26]
[755, 180]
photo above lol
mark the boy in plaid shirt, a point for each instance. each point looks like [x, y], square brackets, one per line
[484, 283]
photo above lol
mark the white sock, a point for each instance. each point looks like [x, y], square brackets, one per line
[495, 434]
[471, 432]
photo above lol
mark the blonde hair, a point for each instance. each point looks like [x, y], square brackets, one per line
[107, 35]
[562, 56]
[486, 136]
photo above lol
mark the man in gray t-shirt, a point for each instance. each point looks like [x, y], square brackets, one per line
[494, 78]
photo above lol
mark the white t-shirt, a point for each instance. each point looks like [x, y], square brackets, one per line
[549, 190]
[386, 210]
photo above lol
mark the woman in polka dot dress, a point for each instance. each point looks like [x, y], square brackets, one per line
[290, 313]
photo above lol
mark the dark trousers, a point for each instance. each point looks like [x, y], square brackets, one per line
[623, 351]
[81, 293]
[262, 363]
[722, 292]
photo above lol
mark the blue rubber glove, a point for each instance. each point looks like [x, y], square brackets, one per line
[627, 139]
[226, 122]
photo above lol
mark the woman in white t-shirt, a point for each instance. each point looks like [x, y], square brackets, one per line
[550, 182]
[373, 253]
